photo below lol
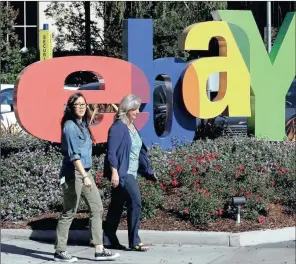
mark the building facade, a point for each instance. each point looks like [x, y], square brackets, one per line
[30, 19]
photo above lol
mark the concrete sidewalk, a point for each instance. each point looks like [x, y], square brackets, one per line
[168, 237]
[24, 251]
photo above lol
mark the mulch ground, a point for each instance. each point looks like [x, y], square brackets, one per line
[166, 220]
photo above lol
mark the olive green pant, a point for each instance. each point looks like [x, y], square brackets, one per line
[72, 193]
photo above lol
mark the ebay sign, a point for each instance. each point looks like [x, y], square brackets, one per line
[248, 74]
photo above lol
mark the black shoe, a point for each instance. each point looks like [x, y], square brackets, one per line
[116, 246]
[64, 257]
[106, 255]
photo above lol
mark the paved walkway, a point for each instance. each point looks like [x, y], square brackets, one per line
[17, 251]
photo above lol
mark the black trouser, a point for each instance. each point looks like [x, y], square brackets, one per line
[130, 194]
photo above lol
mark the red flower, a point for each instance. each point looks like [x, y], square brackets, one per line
[148, 193]
[190, 160]
[241, 167]
[172, 162]
[261, 219]
[179, 168]
[248, 194]
[214, 155]
[260, 199]
[186, 211]
[209, 213]
[98, 181]
[220, 211]
[272, 183]
[237, 174]
[172, 173]
[262, 170]
[217, 167]
[149, 182]
[207, 193]
[98, 178]
[208, 157]
[175, 182]
[219, 190]
[162, 185]
[195, 170]
[282, 171]
[197, 186]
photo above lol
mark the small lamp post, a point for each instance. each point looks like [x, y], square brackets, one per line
[238, 202]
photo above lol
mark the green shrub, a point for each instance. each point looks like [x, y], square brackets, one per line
[13, 143]
[205, 175]
[212, 172]
[30, 184]
[152, 197]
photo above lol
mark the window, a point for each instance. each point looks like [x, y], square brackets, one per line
[26, 23]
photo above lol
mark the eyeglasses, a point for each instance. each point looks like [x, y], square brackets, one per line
[80, 105]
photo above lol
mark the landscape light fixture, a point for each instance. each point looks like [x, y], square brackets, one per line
[238, 201]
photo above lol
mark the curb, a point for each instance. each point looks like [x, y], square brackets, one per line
[167, 237]
[262, 237]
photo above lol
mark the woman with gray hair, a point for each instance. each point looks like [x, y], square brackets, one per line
[126, 158]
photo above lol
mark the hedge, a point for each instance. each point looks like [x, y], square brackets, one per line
[205, 175]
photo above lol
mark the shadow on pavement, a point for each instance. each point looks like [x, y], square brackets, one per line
[11, 249]
[51, 224]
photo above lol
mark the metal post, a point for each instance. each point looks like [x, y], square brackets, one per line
[238, 215]
[25, 25]
[268, 27]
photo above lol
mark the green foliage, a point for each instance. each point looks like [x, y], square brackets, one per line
[169, 22]
[204, 175]
[209, 173]
[11, 64]
[18, 142]
[152, 197]
[69, 19]
[30, 184]
[12, 60]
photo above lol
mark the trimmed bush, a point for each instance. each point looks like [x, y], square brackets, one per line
[13, 143]
[205, 175]
[209, 173]
[30, 184]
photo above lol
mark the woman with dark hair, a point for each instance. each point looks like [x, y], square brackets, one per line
[77, 181]
[125, 159]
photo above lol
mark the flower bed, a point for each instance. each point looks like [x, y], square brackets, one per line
[201, 178]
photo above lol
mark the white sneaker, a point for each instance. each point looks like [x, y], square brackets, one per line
[64, 256]
[106, 255]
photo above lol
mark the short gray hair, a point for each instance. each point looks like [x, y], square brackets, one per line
[129, 102]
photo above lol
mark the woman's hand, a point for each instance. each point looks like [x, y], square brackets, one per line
[115, 179]
[87, 182]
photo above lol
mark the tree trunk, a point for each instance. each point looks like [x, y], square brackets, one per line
[87, 28]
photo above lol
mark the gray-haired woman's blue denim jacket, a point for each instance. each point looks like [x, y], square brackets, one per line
[76, 144]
